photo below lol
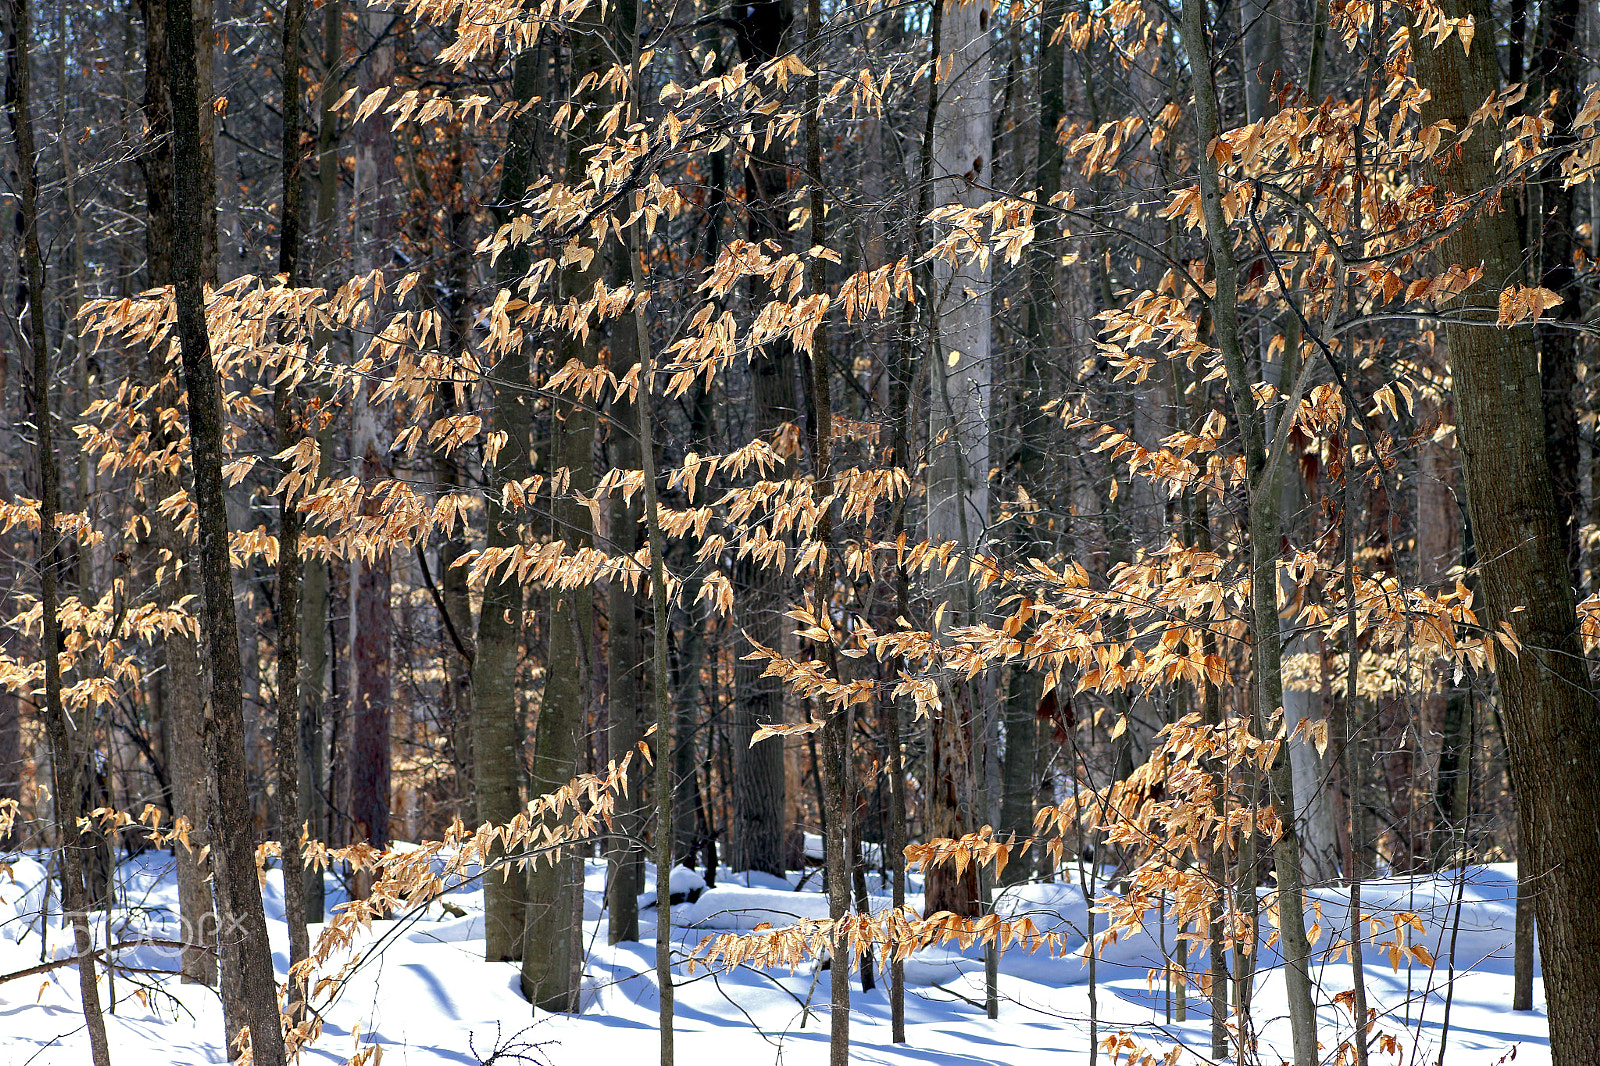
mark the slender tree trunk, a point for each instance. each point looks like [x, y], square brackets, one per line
[1350, 752]
[1264, 470]
[835, 735]
[314, 596]
[287, 738]
[67, 757]
[644, 409]
[624, 663]
[239, 894]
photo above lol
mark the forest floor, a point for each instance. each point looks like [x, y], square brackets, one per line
[429, 998]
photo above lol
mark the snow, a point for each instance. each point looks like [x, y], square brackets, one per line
[424, 994]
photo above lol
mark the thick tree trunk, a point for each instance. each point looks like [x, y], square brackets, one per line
[370, 689]
[958, 430]
[1558, 72]
[496, 726]
[371, 624]
[248, 956]
[758, 827]
[1550, 713]
[555, 883]
[182, 687]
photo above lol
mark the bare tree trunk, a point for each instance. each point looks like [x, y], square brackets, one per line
[1020, 781]
[958, 430]
[314, 606]
[238, 893]
[371, 623]
[1558, 75]
[496, 728]
[548, 949]
[287, 737]
[624, 662]
[835, 735]
[644, 409]
[1551, 719]
[1350, 751]
[1263, 460]
[182, 687]
[759, 828]
[67, 754]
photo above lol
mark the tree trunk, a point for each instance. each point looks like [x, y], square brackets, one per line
[839, 852]
[371, 623]
[1263, 462]
[1558, 75]
[182, 687]
[239, 895]
[67, 754]
[759, 829]
[624, 662]
[958, 430]
[1551, 719]
[496, 727]
[314, 606]
[645, 410]
[548, 948]
[287, 737]
[1020, 780]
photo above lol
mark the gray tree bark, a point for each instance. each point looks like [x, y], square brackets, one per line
[496, 727]
[958, 410]
[1263, 461]
[555, 883]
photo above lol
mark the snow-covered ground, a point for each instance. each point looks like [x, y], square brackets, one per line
[428, 998]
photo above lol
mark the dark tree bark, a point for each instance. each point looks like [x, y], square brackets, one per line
[496, 730]
[624, 660]
[246, 952]
[314, 590]
[182, 686]
[287, 735]
[550, 950]
[758, 829]
[1019, 781]
[1559, 69]
[370, 690]
[371, 623]
[1552, 722]
[68, 752]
